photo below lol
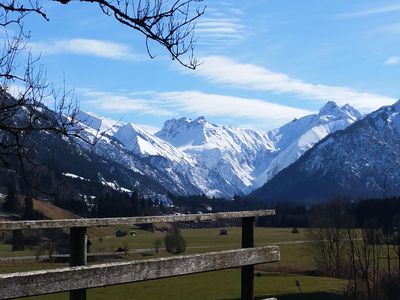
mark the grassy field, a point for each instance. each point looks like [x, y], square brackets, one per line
[28, 266]
[205, 238]
[295, 253]
[276, 279]
[217, 285]
[5, 251]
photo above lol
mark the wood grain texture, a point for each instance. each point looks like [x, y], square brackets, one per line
[68, 223]
[73, 278]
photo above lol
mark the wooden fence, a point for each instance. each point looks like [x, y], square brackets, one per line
[79, 277]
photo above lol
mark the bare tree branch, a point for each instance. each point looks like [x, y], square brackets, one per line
[25, 93]
[169, 23]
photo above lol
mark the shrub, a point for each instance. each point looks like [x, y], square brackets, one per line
[174, 241]
[120, 233]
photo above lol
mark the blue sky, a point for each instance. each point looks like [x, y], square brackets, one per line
[264, 61]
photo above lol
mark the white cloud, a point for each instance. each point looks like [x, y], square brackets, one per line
[220, 27]
[393, 60]
[147, 104]
[100, 48]
[195, 103]
[227, 72]
[371, 11]
[234, 107]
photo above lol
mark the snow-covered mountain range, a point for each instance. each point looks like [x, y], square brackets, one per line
[200, 157]
[298, 136]
[361, 161]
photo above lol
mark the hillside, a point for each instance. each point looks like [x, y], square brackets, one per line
[52, 212]
[362, 161]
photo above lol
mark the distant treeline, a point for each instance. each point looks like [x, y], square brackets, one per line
[292, 214]
[383, 212]
[91, 199]
[288, 214]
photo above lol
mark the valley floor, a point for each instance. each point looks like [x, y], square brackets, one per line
[275, 280]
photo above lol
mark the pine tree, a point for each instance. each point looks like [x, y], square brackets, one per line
[135, 204]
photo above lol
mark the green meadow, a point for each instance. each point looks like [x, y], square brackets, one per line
[276, 279]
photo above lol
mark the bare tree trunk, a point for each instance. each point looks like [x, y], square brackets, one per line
[351, 238]
[389, 267]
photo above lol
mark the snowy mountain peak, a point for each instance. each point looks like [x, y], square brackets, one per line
[144, 143]
[351, 112]
[200, 120]
[135, 128]
[298, 136]
[127, 135]
[136, 139]
[97, 123]
[396, 106]
[329, 108]
[174, 125]
[359, 162]
[224, 160]
[332, 111]
[184, 131]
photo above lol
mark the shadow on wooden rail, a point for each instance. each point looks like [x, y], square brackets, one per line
[78, 277]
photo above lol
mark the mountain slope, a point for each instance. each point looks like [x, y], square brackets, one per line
[89, 167]
[81, 160]
[247, 158]
[189, 157]
[236, 154]
[296, 137]
[144, 143]
[97, 124]
[137, 150]
[358, 162]
[187, 173]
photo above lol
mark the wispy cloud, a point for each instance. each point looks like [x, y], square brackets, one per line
[147, 104]
[228, 72]
[371, 11]
[220, 27]
[214, 105]
[390, 28]
[212, 26]
[393, 60]
[99, 48]
[194, 103]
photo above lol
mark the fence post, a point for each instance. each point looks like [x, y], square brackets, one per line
[78, 256]
[247, 280]
[17, 240]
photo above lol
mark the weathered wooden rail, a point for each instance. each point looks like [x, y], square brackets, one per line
[79, 277]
